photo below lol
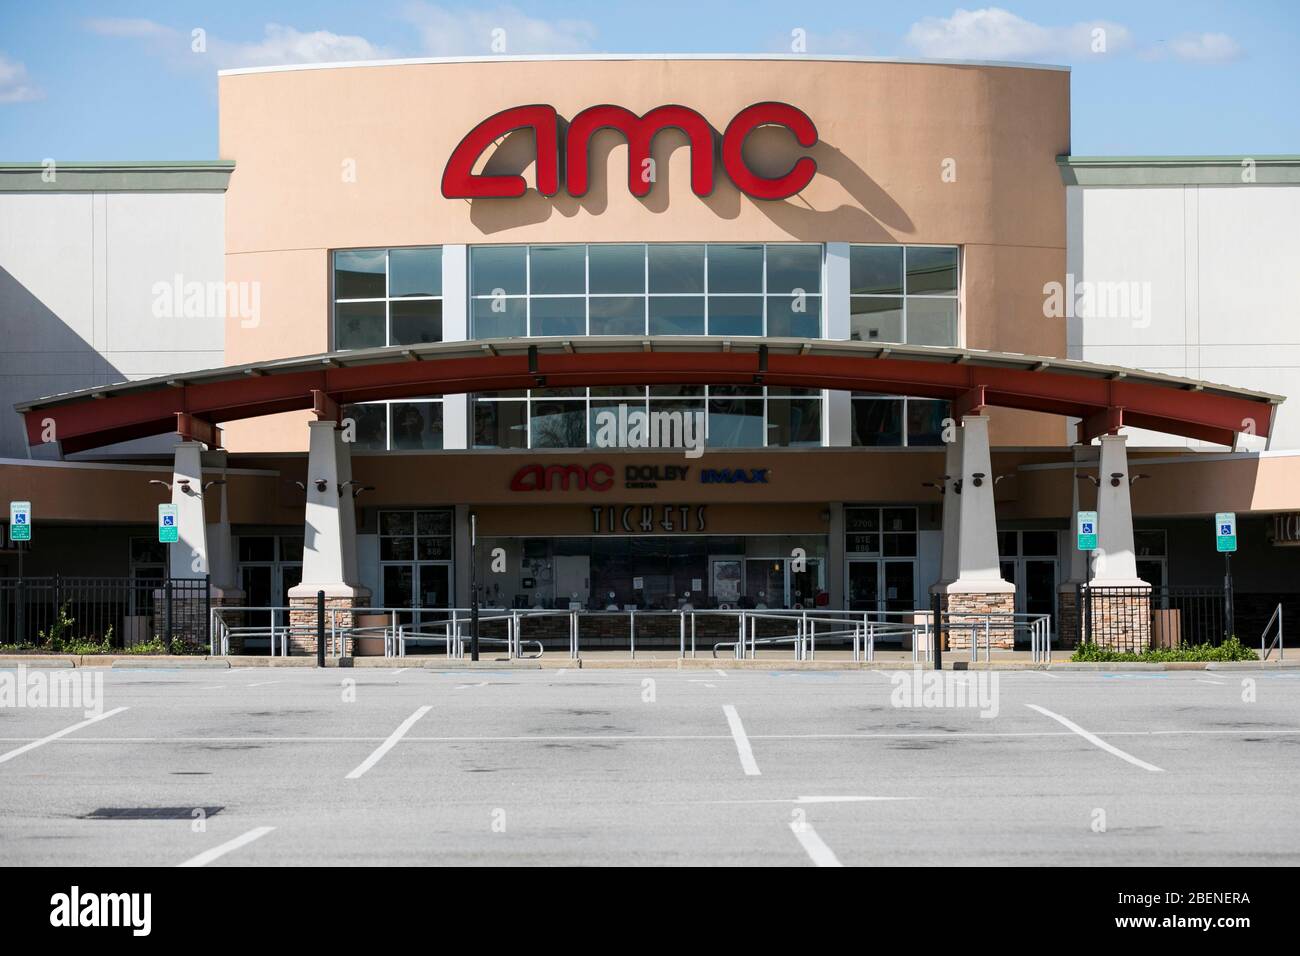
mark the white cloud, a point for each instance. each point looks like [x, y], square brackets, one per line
[1204, 47]
[279, 45]
[447, 32]
[992, 33]
[283, 45]
[15, 85]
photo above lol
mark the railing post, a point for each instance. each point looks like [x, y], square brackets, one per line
[320, 628]
[168, 605]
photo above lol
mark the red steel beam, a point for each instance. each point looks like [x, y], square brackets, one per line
[82, 423]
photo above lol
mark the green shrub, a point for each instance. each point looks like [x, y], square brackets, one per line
[1230, 650]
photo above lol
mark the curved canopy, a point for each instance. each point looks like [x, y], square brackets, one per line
[1104, 398]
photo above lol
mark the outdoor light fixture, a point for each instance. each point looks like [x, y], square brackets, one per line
[936, 485]
[321, 484]
[357, 487]
[1095, 481]
[215, 481]
[1136, 478]
[1115, 478]
[977, 479]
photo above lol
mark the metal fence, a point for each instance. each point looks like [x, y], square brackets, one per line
[690, 633]
[1134, 619]
[116, 612]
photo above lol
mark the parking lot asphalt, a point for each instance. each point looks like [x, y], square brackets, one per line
[284, 766]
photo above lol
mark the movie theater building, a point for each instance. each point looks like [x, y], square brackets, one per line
[745, 332]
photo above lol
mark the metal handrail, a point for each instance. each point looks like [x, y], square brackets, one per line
[1277, 641]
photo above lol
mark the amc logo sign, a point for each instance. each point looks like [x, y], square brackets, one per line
[459, 181]
[563, 478]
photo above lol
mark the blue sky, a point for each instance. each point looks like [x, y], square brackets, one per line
[97, 81]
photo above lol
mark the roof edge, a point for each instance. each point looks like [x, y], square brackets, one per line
[1240, 170]
[119, 176]
[587, 57]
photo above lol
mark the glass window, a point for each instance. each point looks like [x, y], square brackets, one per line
[736, 417]
[618, 315]
[793, 269]
[500, 318]
[891, 420]
[498, 270]
[359, 325]
[414, 272]
[500, 424]
[876, 270]
[370, 425]
[735, 269]
[416, 321]
[417, 425]
[877, 421]
[616, 269]
[931, 321]
[931, 270]
[1039, 543]
[925, 420]
[560, 316]
[918, 306]
[735, 315]
[794, 316]
[384, 426]
[359, 274]
[403, 288]
[876, 319]
[677, 315]
[557, 270]
[256, 547]
[558, 424]
[676, 268]
[793, 421]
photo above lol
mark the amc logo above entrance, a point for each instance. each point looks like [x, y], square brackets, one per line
[568, 146]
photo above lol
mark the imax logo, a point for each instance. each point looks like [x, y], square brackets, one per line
[733, 476]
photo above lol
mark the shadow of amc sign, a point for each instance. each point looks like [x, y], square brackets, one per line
[602, 476]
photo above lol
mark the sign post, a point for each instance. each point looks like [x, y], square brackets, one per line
[1086, 529]
[473, 586]
[1225, 542]
[20, 530]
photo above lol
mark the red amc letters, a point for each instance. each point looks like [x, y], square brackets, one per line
[459, 180]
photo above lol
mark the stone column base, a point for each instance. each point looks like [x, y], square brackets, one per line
[966, 609]
[190, 613]
[338, 616]
[1067, 616]
[1119, 617]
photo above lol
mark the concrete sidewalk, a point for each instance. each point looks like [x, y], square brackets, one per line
[659, 659]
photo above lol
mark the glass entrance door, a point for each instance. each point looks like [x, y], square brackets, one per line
[881, 585]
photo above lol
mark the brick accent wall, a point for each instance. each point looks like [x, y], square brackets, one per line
[974, 605]
[302, 623]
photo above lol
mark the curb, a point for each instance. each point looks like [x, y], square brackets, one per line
[150, 662]
[24, 660]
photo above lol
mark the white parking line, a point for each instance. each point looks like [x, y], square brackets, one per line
[1202, 680]
[720, 672]
[263, 683]
[207, 856]
[388, 744]
[62, 733]
[1095, 740]
[742, 742]
[813, 845]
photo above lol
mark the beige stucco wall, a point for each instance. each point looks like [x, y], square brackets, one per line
[885, 131]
